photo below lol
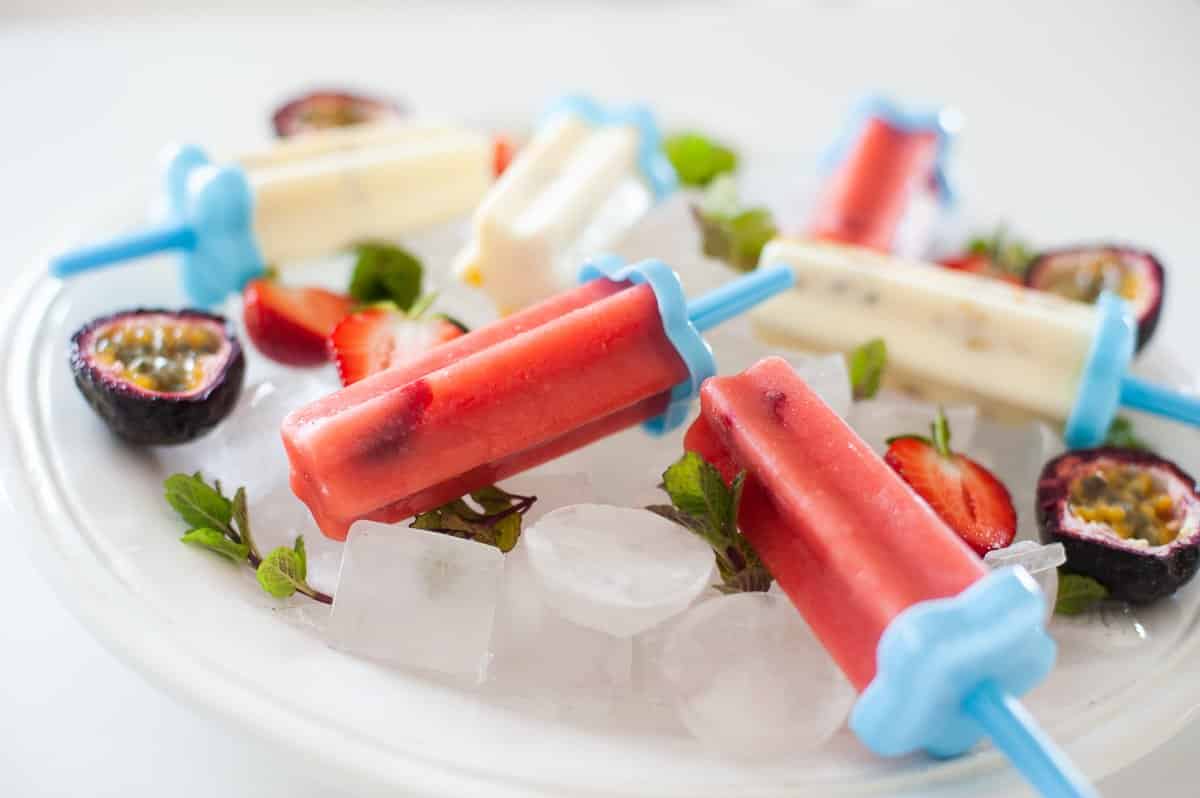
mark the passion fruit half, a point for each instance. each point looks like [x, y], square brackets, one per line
[319, 110]
[1082, 273]
[1129, 519]
[159, 377]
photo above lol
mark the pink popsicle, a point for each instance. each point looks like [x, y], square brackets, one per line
[497, 401]
[849, 542]
[866, 197]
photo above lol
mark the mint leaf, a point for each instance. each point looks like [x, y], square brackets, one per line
[281, 573]
[213, 540]
[684, 483]
[385, 272]
[496, 521]
[198, 503]
[704, 504]
[1078, 594]
[697, 158]
[1121, 434]
[729, 232]
[1006, 253]
[301, 557]
[866, 365]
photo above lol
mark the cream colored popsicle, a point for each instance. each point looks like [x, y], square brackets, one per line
[321, 191]
[1012, 345]
[585, 178]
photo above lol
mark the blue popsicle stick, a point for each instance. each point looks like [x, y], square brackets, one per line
[738, 296]
[1141, 395]
[117, 250]
[1014, 731]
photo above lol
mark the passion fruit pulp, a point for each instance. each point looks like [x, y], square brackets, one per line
[319, 110]
[1082, 273]
[159, 377]
[1129, 519]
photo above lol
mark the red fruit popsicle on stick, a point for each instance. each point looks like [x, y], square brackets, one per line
[937, 645]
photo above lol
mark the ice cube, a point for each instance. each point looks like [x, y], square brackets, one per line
[890, 414]
[1041, 561]
[751, 681]
[277, 518]
[535, 651]
[417, 599]
[246, 449]
[617, 570]
[553, 488]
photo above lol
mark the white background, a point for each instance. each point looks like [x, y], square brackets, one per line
[1083, 122]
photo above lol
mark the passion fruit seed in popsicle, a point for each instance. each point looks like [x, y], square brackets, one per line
[157, 376]
[319, 110]
[1128, 519]
[1083, 273]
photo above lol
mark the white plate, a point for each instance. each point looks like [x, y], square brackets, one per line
[94, 514]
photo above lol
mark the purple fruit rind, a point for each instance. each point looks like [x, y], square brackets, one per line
[1133, 573]
[151, 419]
[1148, 317]
[282, 119]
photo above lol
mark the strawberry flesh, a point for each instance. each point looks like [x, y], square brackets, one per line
[291, 325]
[375, 339]
[968, 497]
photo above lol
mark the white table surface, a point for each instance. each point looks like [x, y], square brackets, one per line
[1082, 125]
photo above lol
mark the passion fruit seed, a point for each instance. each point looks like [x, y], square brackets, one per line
[162, 358]
[1103, 271]
[334, 114]
[1132, 502]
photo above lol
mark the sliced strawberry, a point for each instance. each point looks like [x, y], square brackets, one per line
[291, 325]
[375, 339]
[503, 151]
[966, 495]
[982, 265]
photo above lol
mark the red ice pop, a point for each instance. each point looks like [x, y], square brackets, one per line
[508, 396]
[889, 160]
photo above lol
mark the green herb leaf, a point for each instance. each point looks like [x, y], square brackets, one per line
[198, 503]
[738, 239]
[697, 158]
[1007, 254]
[866, 365]
[301, 557]
[281, 573]
[684, 483]
[702, 503]
[1078, 594]
[385, 272]
[1121, 434]
[213, 540]
[496, 522]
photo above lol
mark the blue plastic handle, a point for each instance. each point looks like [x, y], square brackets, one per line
[1142, 395]
[117, 250]
[1014, 731]
[736, 297]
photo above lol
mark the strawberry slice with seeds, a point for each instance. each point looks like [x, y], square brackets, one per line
[291, 325]
[968, 497]
[378, 338]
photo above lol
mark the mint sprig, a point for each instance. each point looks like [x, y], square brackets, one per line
[384, 272]
[730, 232]
[1122, 435]
[697, 158]
[1077, 594]
[495, 518]
[1008, 254]
[866, 365]
[703, 503]
[222, 525]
